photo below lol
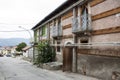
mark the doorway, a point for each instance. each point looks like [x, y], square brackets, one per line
[67, 58]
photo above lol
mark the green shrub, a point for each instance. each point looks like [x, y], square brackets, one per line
[46, 53]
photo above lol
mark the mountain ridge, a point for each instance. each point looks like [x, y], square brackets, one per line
[13, 41]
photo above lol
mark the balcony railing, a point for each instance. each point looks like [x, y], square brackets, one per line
[76, 25]
[80, 24]
[56, 31]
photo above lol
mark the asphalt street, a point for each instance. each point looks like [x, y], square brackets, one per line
[17, 69]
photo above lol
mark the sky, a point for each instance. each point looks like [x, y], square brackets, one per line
[24, 13]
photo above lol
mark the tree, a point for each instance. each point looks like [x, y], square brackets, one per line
[21, 46]
[46, 53]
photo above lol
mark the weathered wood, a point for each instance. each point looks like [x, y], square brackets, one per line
[67, 36]
[67, 15]
[89, 17]
[98, 52]
[67, 26]
[74, 61]
[106, 14]
[106, 31]
[48, 31]
[95, 2]
[67, 59]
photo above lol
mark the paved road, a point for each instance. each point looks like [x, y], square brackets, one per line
[16, 69]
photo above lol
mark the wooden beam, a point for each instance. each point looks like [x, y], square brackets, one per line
[106, 31]
[95, 2]
[106, 14]
[98, 52]
[67, 36]
[67, 15]
[67, 26]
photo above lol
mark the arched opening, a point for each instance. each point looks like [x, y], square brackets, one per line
[67, 57]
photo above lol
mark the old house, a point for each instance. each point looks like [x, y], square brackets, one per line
[6, 50]
[86, 36]
[28, 52]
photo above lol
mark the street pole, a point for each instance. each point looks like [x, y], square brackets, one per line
[30, 39]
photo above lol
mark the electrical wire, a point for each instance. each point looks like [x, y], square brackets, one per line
[14, 24]
[16, 30]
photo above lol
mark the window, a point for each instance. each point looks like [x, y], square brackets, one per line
[58, 47]
[84, 41]
[40, 31]
[43, 30]
[35, 36]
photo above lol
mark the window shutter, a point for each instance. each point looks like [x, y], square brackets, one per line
[43, 31]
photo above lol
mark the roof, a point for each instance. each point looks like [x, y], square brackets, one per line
[62, 7]
[26, 48]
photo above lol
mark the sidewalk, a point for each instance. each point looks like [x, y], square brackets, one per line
[72, 76]
[75, 76]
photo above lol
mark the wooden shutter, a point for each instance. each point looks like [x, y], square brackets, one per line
[43, 30]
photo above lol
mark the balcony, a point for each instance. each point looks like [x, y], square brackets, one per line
[80, 25]
[56, 31]
[76, 25]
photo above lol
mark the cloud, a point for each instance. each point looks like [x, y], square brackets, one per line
[25, 13]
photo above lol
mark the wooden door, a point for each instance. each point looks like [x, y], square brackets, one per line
[67, 59]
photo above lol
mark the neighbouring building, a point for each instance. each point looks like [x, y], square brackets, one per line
[13, 49]
[28, 52]
[86, 36]
[1, 50]
[6, 50]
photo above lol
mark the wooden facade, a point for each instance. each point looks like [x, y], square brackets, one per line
[83, 21]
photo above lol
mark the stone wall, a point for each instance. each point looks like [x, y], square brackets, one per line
[99, 66]
[59, 58]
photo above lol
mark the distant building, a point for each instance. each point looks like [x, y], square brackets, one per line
[28, 52]
[8, 50]
[13, 49]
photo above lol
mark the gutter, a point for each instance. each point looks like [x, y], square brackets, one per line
[80, 2]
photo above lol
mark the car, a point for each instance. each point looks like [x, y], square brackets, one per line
[1, 55]
[8, 55]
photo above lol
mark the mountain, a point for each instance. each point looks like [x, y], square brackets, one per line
[13, 41]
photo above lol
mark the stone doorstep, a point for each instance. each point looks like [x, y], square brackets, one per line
[52, 66]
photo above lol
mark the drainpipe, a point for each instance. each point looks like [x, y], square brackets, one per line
[74, 63]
